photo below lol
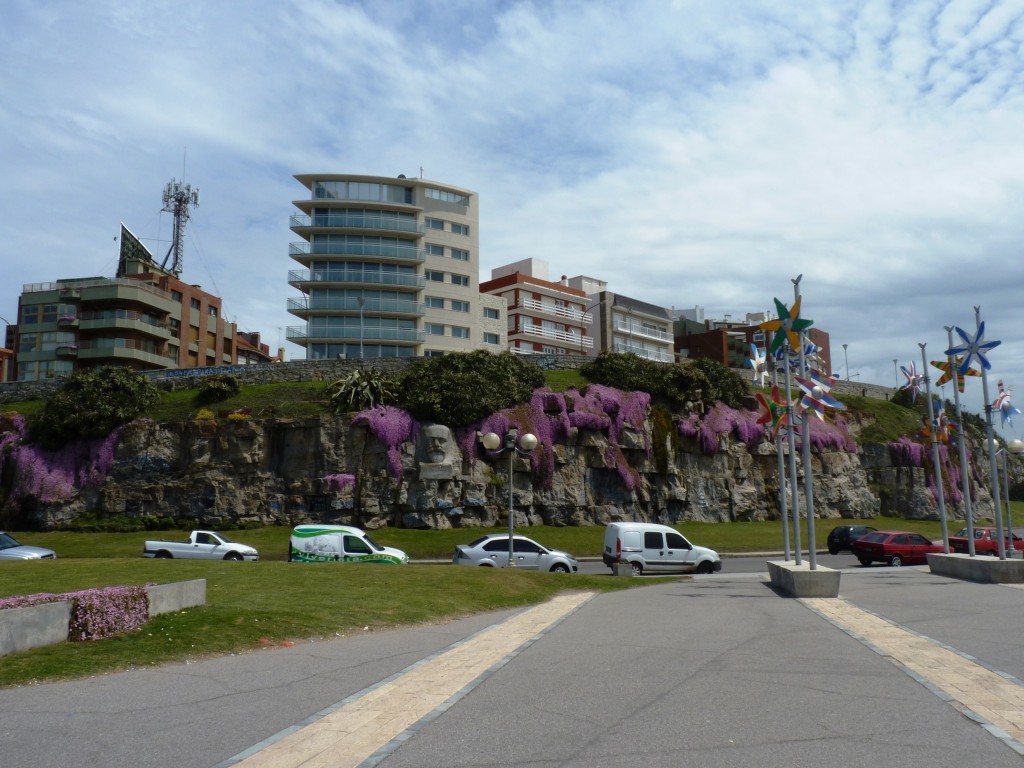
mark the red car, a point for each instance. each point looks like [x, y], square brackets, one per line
[893, 547]
[986, 541]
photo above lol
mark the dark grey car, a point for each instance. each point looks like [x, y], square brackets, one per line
[842, 537]
[492, 551]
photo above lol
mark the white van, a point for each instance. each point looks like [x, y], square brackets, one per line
[653, 548]
[339, 543]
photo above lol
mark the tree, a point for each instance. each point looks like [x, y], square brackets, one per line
[91, 404]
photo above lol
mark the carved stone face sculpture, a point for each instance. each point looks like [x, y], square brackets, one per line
[435, 443]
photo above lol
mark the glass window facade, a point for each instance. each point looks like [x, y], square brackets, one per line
[460, 229]
[460, 255]
[462, 280]
[460, 306]
[445, 196]
[361, 190]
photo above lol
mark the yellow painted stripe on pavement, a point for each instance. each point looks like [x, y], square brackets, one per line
[355, 731]
[995, 698]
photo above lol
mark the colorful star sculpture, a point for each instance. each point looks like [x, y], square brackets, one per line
[774, 411]
[939, 423]
[1004, 405]
[788, 326]
[914, 380]
[758, 361]
[824, 385]
[976, 347]
[949, 371]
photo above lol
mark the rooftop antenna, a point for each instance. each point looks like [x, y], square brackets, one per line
[178, 196]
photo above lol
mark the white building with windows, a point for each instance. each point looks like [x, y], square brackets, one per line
[544, 317]
[629, 325]
[389, 268]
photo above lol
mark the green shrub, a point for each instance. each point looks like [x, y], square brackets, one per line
[725, 385]
[360, 389]
[92, 403]
[463, 388]
[216, 388]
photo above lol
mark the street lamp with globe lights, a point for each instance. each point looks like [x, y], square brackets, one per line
[526, 445]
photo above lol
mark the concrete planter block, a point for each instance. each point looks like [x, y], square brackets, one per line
[22, 629]
[167, 598]
[795, 580]
[622, 569]
[981, 568]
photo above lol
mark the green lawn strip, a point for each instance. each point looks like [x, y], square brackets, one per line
[251, 605]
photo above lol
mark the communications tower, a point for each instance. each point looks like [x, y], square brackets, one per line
[178, 197]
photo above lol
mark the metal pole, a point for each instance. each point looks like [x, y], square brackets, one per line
[935, 451]
[792, 460]
[847, 361]
[783, 510]
[510, 446]
[1009, 517]
[961, 444]
[989, 437]
[805, 444]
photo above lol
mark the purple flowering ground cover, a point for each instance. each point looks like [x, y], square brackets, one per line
[96, 614]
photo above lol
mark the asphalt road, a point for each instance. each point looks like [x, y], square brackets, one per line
[713, 671]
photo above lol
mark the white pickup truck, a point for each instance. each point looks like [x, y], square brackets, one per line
[201, 545]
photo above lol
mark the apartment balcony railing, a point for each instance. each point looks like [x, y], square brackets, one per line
[636, 329]
[341, 220]
[649, 354]
[307, 304]
[375, 250]
[558, 310]
[69, 291]
[126, 319]
[304, 277]
[368, 333]
[569, 338]
[125, 348]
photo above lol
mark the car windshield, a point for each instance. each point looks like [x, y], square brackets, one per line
[6, 542]
[874, 537]
[373, 543]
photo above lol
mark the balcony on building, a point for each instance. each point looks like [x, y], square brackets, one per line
[569, 338]
[657, 355]
[125, 320]
[304, 279]
[303, 334]
[371, 222]
[304, 252]
[306, 306]
[638, 329]
[561, 311]
[143, 351]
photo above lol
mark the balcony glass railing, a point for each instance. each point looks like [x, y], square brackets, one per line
[636, 329]
[548, 307]
[358, 221]
[379, 250]
[122, 314]
[570, 338]
[73, 289]
[649, 354]
[367, 333]
[370, 306]
[299, 277]
[139, 345]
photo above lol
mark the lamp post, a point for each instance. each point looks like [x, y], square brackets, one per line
[847, 361]
[526, 445]
[896, 373]
[1016, 447]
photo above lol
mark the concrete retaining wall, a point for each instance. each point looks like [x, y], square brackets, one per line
[22, 629]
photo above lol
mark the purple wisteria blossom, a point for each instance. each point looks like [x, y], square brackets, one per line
[722, 420]
[340, 481]
[392, 426]
[96, 614]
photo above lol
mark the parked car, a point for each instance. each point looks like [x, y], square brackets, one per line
[201, 545]
[893, 547]
[654, 548]
[339, 544]
[842, 536]
[986, 541]
[10, 549]
[491, 551]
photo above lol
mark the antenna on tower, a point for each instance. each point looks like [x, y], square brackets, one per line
[178, 196]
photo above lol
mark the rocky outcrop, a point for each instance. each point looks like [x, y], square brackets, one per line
[325, 469]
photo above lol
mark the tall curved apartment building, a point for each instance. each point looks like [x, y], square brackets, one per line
[390, 268]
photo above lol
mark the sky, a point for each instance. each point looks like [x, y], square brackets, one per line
[690, 153]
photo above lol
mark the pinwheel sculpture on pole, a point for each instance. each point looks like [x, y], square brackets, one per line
[1004, 405]
[951, 368]
[914, 381]
[976, 347]
[817, 395]
[758, 360]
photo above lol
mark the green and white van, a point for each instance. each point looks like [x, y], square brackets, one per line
[339, 544]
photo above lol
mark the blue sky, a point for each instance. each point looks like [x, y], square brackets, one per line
[689, 153]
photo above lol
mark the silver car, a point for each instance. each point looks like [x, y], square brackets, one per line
[10, 549]
[492, 551]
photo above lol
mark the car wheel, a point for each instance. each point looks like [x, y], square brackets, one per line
[865, 561]
[232, 556]
[559, 568]
[164, 555]
[895, 561]
[638, 570]
[833, 550]
[706, 567]
[486, 564]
